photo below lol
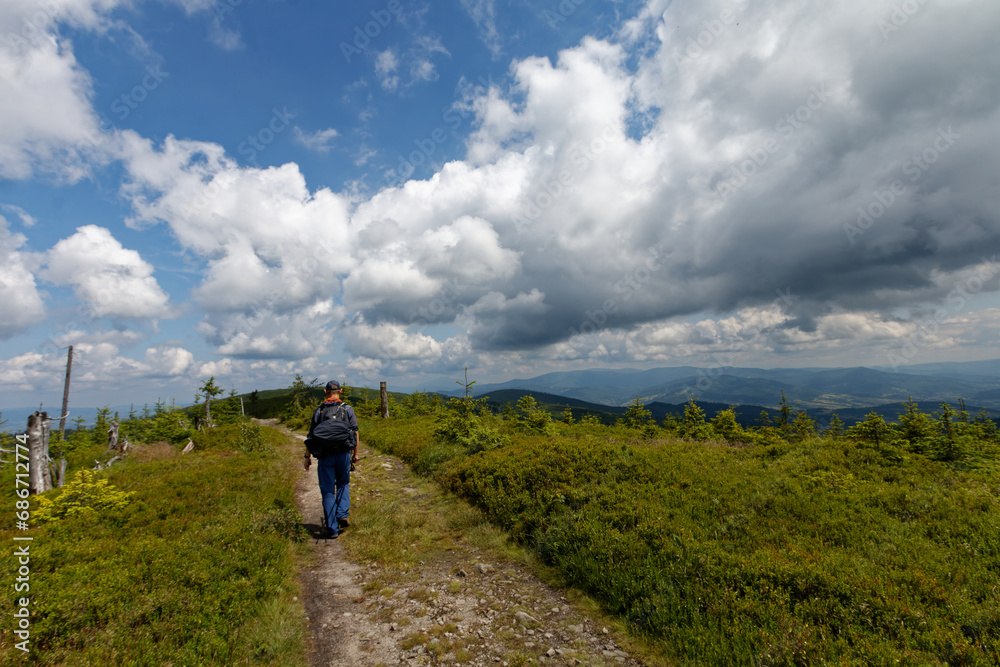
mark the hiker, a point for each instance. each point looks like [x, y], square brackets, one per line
[333, 440]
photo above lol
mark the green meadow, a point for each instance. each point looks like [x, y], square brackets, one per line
[165, 558]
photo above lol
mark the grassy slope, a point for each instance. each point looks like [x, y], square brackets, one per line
[199, 569]
[820, 552]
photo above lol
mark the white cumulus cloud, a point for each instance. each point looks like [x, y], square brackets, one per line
[20, 301]
[112, 280]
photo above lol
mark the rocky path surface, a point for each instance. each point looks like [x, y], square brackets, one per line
[458, 605]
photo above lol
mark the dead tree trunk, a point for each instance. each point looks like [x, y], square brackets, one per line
[113, 436]
[62, 419]
[39, 479]
[61, 465]
[47, 471]
[384, 396]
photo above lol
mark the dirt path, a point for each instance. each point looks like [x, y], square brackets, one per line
[332, 594]
[458, 605]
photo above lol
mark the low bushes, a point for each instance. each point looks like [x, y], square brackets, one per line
[800, 551]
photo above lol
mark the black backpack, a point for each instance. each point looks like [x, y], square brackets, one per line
[333, 434]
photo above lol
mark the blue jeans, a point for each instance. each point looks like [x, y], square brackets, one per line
[334, 485]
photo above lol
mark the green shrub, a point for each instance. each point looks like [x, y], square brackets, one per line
[301, 417]
[251, 438]
[242, 436]
[803, 427]
[86, 493]
[468, 422]
[282, 520]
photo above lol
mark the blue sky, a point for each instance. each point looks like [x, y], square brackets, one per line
[399, 190]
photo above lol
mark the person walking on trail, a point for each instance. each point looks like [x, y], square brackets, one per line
[333, 439]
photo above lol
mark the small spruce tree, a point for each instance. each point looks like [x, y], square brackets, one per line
[784, 419]
[803, 427]
[209, 390]
[947, 446]
[567, 416]
[693, 425]
[915, 427]
[835, 430]
[725, 425]
[637, 415]
[873, 430]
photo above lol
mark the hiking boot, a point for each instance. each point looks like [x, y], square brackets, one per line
[343, 523]
[330, 535]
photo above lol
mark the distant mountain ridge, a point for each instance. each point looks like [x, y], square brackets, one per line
[811, 388]
[746, 415]
[16, 419]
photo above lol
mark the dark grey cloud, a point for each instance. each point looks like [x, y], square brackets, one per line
[808, 152]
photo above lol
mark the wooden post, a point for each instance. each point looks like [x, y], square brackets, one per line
[62, 419]
[242, 411]
[384, 395]
[39, 480]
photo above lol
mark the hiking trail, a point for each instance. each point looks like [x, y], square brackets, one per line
[461, 605]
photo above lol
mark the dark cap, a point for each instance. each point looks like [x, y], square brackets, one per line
[333, 385]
